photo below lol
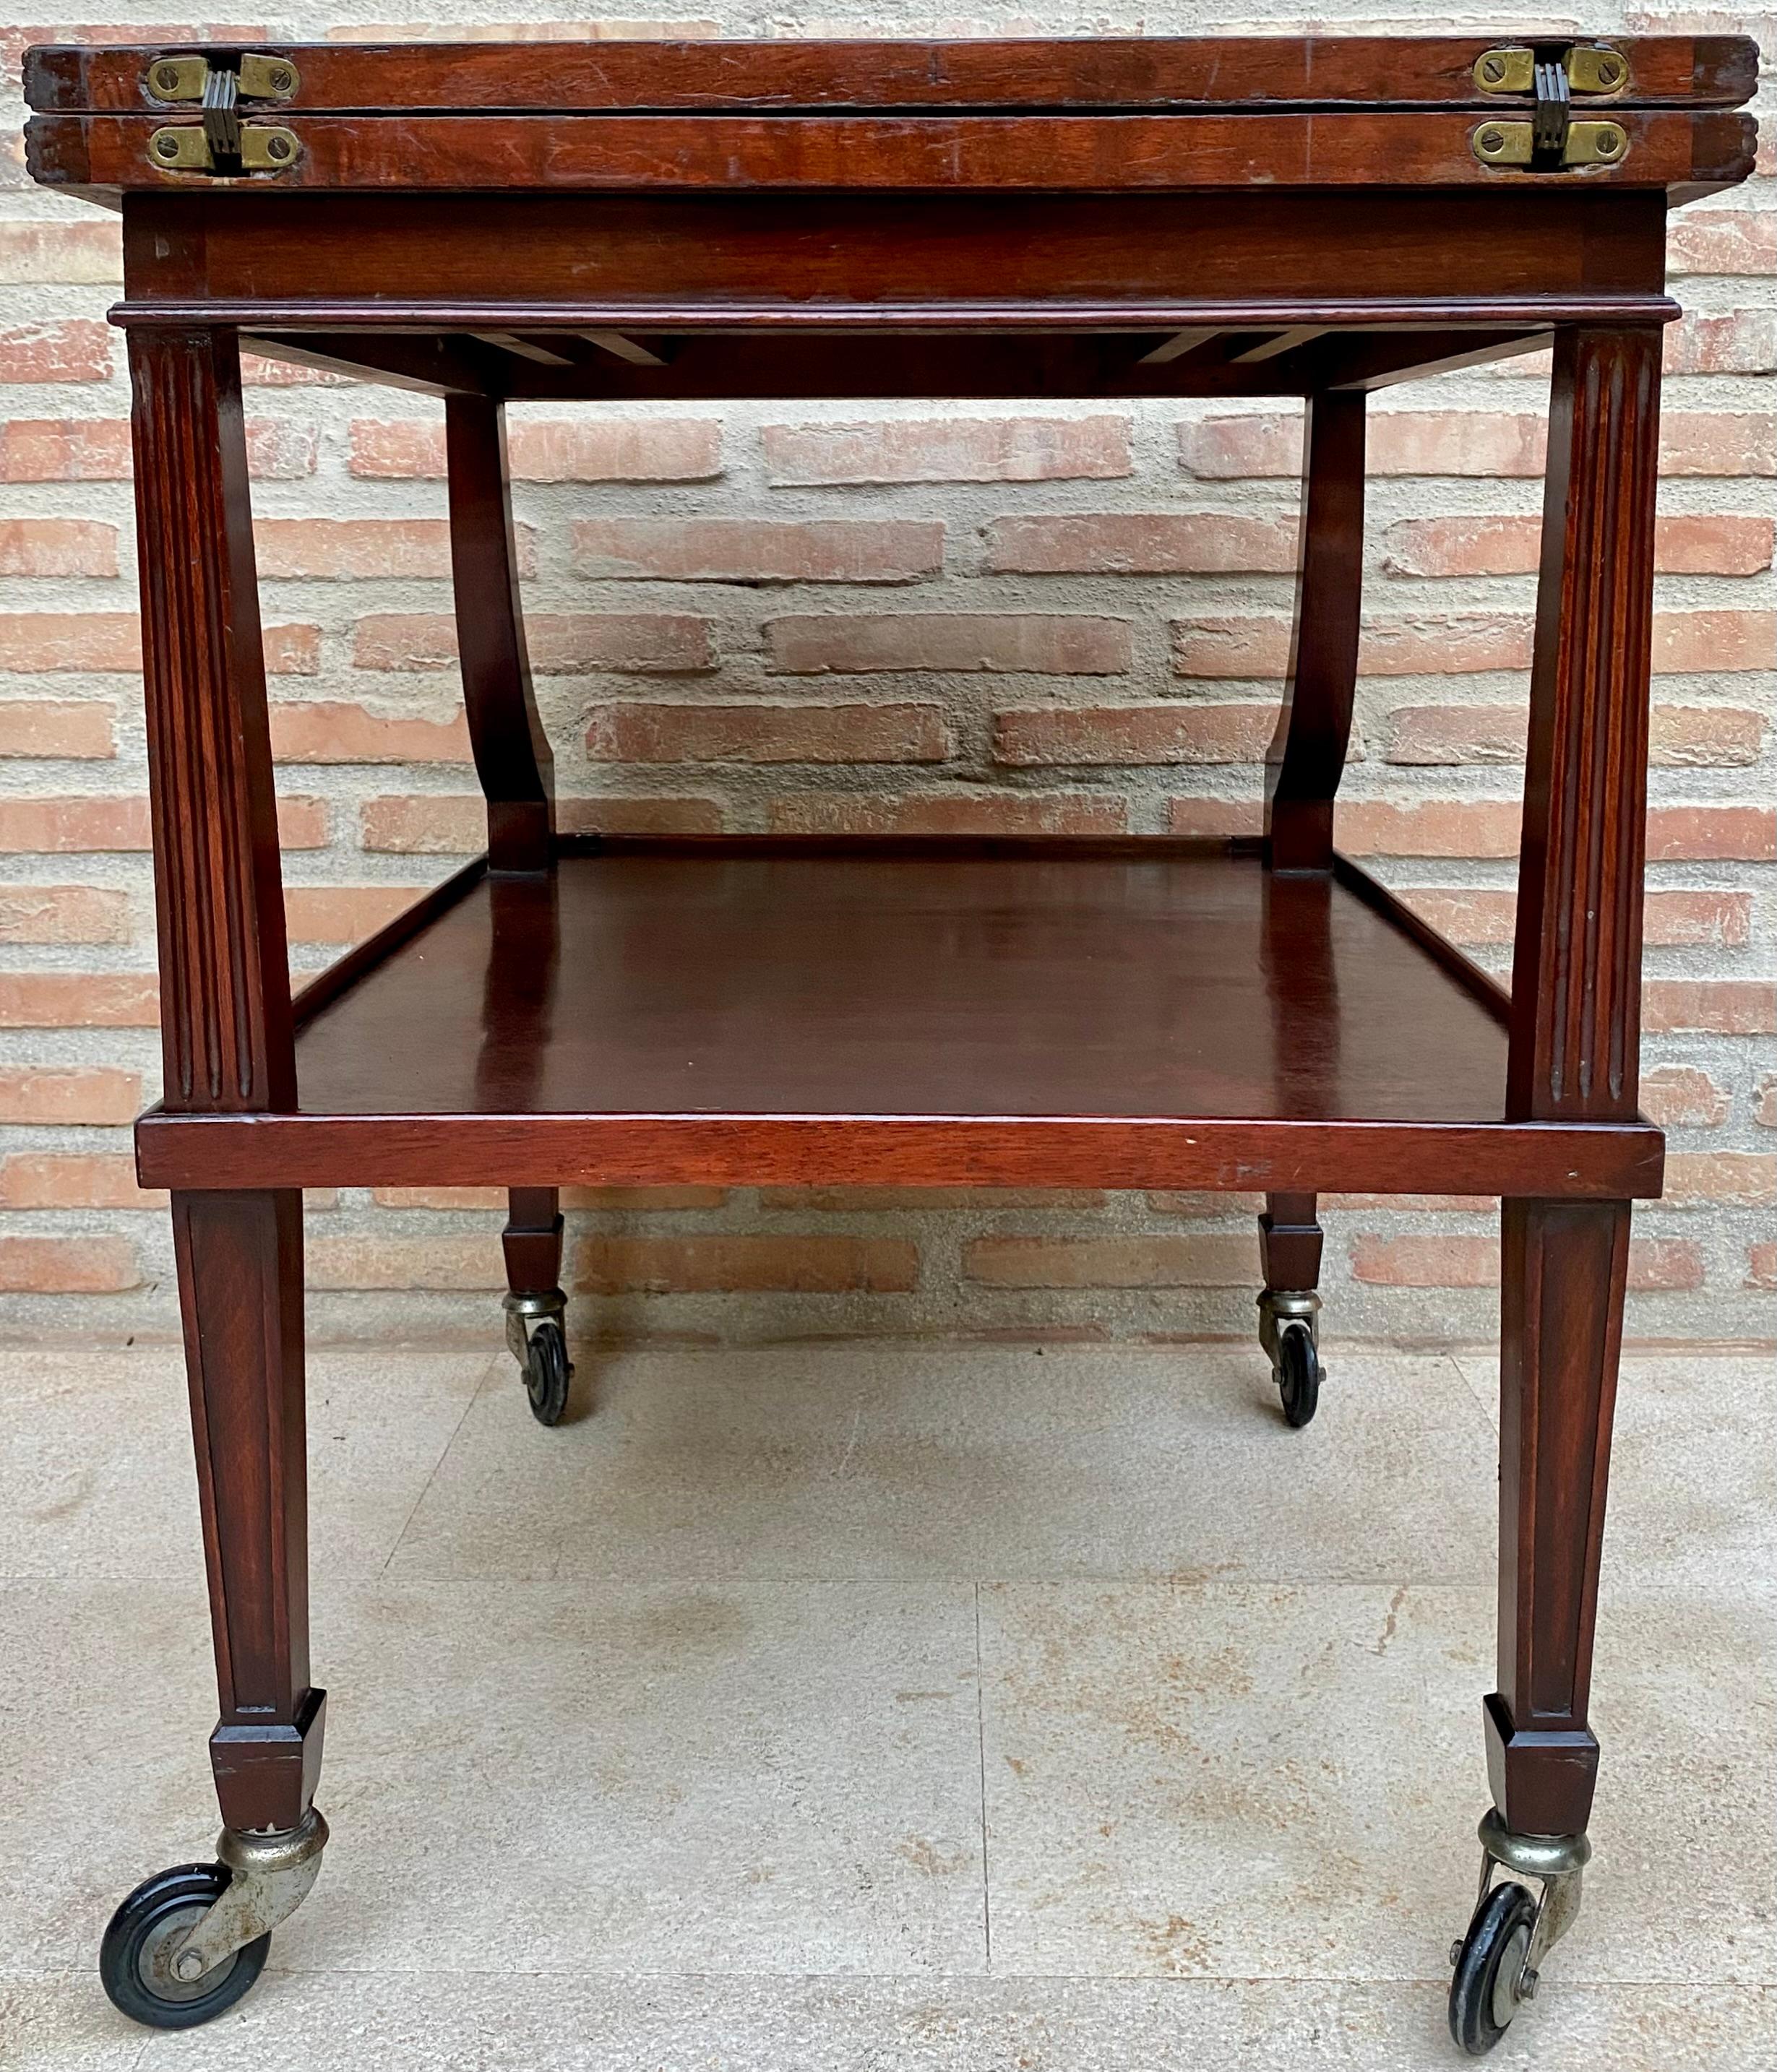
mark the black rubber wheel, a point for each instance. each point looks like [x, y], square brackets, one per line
[1483, 1992]
[548, 1371]
[159, 1906]
[1298, 1373]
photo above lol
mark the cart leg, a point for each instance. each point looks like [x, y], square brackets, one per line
[1573, 1056]
[1289, 1244]
[1565, 1265]
[535, 1304]
[189, 1941]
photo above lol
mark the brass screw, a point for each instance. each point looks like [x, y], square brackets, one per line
[280, 78]
[165, 78]
[1610, 143]
[278, 147]
[1493, 70]
[1609, 72]
[166, 147]
[1489, 140]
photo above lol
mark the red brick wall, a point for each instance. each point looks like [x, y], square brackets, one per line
[1040, 616]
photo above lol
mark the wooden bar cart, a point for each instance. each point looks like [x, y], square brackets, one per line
[1289, 216]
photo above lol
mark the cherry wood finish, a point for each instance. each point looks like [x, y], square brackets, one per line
[1289, 1242]
[1103, 73]
[512, 751]
[1574, 1042]
[1294, 216]
[1688, 154]
[226, 1020]
[240, 1259]
[1315, 725]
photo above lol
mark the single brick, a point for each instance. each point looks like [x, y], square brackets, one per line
[719, 1263]
[456, 825]
[78, 349]
[543, 449]
[1685, 834]
[344, 913]
[1498, 545]
[1184, 730]
[1733, 1179]
[854, 732]
[1711, 919]
[1704, 736]
[353, 548]
[73, 1180]
[51, 826]
[1190, 1259]
[560, 643]
[1720, 1006]
[56, 1096]
[1665, 1265]
[1446, 1261]
[90, 1264]
[1455, 734]
[1764, 1102]
[63, 914]
[1707, 545]
[750, 550]
[292, 651]
[1460, 644]
[1142, 543]
[1475, 916]
[1714, 640]
[57, 547]
[1681, 1097]
[1036, 643]
[1431, 827]
[34, 643]
[948, 813]
[1410, 442]
[436, 1261]
[73, 729]
[950, 450]
[1718, 442]
[79, 254]
[1762, 1265]
[64, 449]
[330, 732]
[280, 450]
[1214, 819]
[1722, 241]
[1737, 342]
[79, 1000]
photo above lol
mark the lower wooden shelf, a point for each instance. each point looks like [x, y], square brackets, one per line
[1138, 1014]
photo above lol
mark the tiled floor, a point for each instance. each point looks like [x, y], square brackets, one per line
[870, 1707]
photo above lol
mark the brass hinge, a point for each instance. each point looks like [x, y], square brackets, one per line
[1587, 68]
[223, 143]
[1550, 74]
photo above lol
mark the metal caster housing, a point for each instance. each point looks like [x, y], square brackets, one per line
[1289, 1332]
[538, 1341]
[1497, 1963]
[190, 1942]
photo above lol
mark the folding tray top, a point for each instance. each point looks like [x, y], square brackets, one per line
[1096, 114]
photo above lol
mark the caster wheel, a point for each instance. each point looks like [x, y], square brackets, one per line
[548, 1371]
[1297, 1372]
[158, 1909]
[1485, 1993]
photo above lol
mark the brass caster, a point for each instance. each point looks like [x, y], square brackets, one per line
[1498, 1963]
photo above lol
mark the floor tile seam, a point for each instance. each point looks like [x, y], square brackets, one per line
[470, 1401]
